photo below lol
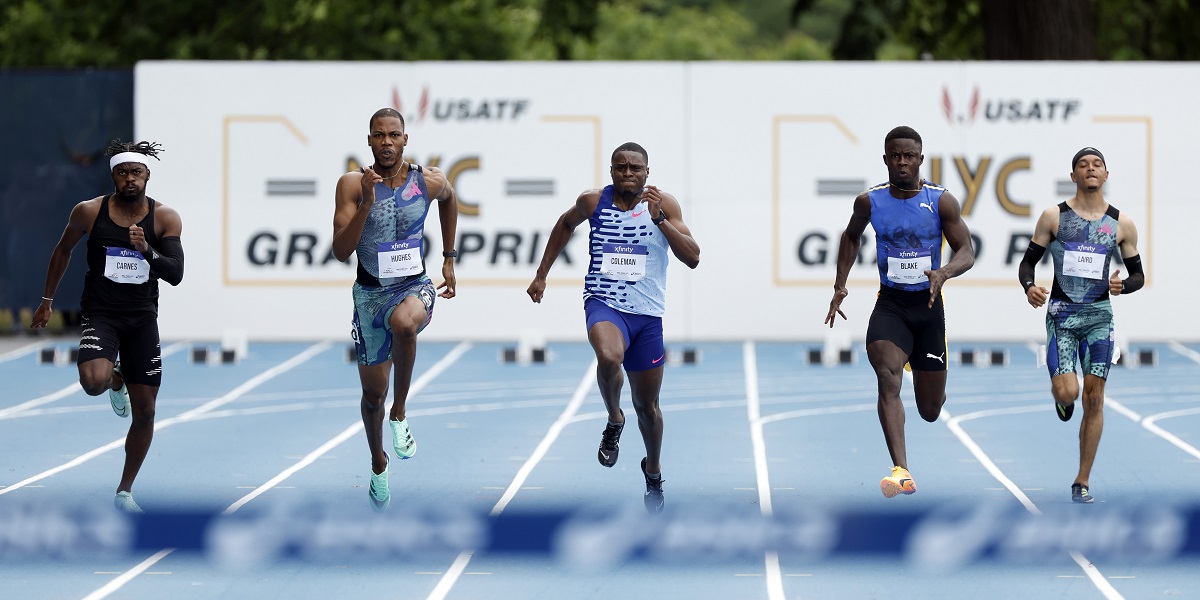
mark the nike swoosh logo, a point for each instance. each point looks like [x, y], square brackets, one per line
[638, 214]
[603, 455]
[657, 360]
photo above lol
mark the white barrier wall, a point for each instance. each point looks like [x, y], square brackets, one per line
[766, 159]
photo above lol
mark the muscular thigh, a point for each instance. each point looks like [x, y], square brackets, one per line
[134, 339]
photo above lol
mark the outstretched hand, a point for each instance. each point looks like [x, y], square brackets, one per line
[835, 306]
[936, 280]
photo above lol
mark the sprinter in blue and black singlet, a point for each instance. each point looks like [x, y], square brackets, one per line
[380, 218]
[1083, 235]
[910, 217]
[631, 228]
[133, 241]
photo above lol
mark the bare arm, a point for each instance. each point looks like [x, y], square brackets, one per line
[559, 236]
[959, 237]
[78, 223]
[353, 198]
[448, 218]
[678, 235]
[847, 252]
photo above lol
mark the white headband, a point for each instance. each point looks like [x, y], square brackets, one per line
[127, 157]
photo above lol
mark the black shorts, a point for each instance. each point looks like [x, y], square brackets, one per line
[905, 319]
[134, 337]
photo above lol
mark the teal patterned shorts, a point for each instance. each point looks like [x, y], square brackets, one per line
[1079, 331]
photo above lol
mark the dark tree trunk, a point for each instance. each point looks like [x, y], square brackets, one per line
[1039, 30]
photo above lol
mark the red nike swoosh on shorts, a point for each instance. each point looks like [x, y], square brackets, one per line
[657, 360]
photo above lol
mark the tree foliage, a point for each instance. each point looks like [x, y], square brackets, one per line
[76, 33]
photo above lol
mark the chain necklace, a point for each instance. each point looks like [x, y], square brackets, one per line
[399, 169]
[920, 184]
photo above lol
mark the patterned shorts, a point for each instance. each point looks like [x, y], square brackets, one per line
[1079, 331]
[373, 306]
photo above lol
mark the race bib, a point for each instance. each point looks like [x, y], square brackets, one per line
[123, 265]
[909, 266]
[624, 261]
[400, 259]
[1084, 260]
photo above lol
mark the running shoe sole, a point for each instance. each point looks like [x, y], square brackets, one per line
[608, 458]
[119, 399]
[894, 485]
[400, 435]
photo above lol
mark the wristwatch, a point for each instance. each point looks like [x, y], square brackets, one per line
[450, 254]
[662, 216]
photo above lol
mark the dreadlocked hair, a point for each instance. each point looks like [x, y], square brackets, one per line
[116, 147]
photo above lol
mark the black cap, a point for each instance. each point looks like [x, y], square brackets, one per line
[1085, 152]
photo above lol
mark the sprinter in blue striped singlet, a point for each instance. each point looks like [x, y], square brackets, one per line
[910, 217]
[380, 217]
[1083, 234]
[632, 225]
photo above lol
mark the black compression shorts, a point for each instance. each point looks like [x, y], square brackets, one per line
[905, 319]
[134, 337]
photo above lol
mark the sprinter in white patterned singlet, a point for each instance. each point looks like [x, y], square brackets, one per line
[380, 216]
[632, 226]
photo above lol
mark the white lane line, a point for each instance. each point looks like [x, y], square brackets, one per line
[1150, 423]
[754, 416]
[118, 582]
[446, 583]
[419, 384]
[12, 411]
[1184, 350]
[953, 423]
[187, 416]
[23, 351]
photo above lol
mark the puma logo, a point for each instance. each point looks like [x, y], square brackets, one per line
[930, 207]
[940, 357]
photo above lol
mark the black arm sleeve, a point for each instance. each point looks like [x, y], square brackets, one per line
[168, 262]
[1025, 272]
[1136, 278]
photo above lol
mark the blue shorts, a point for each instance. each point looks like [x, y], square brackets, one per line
[373, 306]
[643, 334]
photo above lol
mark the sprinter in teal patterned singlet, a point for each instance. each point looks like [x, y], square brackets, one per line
[1083, 235]
[908, 326]
[380, 217]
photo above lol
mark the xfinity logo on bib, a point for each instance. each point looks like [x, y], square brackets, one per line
[908, 253]
[964, 111]
[1087, 248]
[462, 109]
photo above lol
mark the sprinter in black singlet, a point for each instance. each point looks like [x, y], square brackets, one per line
[132, 242]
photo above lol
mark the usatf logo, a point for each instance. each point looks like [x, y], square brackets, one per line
[1011, 110]
[960, 118]
[461, 109]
